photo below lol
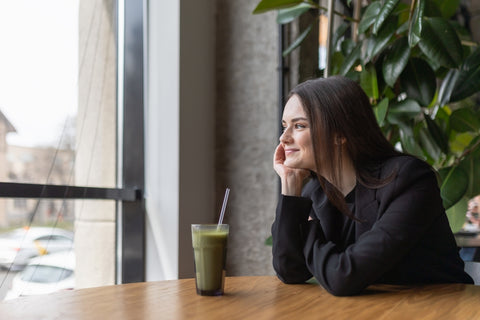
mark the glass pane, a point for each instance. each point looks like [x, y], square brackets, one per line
[57, 94]
[57, 126]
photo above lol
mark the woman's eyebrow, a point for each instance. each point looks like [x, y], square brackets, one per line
[295, 120]
[299, 119]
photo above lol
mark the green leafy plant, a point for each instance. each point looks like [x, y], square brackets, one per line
[421, 71]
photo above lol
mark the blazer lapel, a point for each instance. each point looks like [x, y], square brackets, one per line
[330, 218]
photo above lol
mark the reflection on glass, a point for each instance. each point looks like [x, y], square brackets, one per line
[45, 274]
[37, 244]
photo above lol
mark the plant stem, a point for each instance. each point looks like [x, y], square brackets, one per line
[410, 16]
[412, 7]
[467, 151]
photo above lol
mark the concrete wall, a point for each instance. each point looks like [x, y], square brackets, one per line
[247, 127]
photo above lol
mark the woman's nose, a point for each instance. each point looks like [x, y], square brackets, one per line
[285, 137]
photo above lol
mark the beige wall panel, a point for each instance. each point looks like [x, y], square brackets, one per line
[95, 143]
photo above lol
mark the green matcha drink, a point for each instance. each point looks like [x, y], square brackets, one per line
[210, 251]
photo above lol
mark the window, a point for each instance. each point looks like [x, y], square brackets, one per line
[82, 167]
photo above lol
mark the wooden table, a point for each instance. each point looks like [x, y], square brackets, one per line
[248, 298]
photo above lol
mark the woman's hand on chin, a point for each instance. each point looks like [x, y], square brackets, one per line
[291, 178]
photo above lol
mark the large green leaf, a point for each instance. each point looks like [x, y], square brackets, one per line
[347, 46]
[380, 41]
[339, 33]
[403, 12]
[447, 86]
[437, 134]
[471, 164]
[368, 81]
[468, 81]
[380, 111]
[447, 7]
[289, 14]
[369, 17]
[454, 185]
[418, 81]
[416, 24]
[395, 61]
[408, 107]
[430, 148]
[405, 109]
[267, 5]
[407, 138]
[384, 13]
[465, 120]
[351, 59]
[440, 42]
[456, 215]
[298, 41]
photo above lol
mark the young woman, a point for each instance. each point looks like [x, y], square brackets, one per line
[353, 210]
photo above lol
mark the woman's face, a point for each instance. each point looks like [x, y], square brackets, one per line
[296, 139]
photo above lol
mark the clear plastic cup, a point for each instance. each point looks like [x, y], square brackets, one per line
[210, 253]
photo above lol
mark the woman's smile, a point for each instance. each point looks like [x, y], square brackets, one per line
[289, 151]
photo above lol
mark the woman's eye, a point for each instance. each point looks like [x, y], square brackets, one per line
[300, 126]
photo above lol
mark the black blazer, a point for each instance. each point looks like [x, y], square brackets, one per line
[402, 236]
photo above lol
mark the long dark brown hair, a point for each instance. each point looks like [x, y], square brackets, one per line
[337, 107]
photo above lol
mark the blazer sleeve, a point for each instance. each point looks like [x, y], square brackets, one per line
[409, 206]
[288, 239]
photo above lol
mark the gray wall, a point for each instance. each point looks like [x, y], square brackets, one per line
[247, 126]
